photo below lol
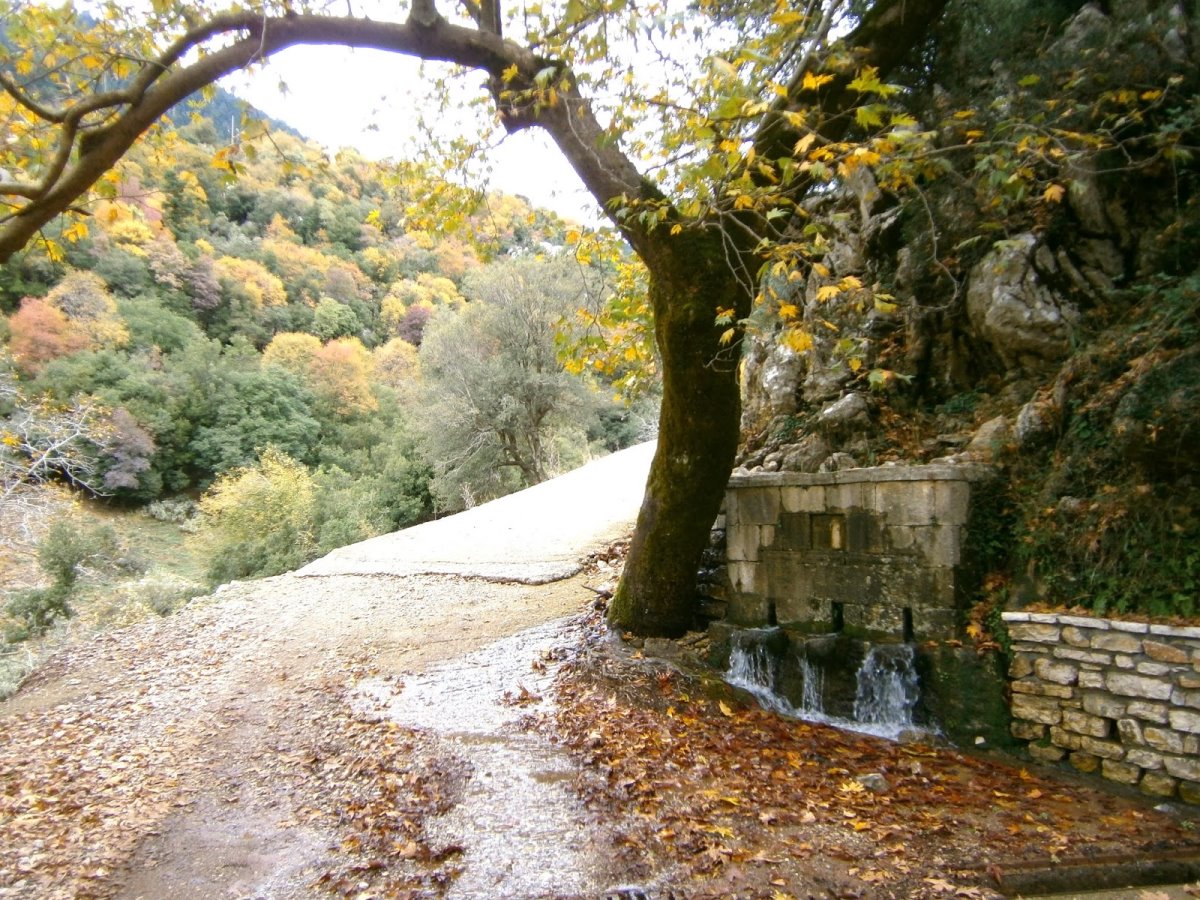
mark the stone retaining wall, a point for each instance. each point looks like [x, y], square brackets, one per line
[1118, 698]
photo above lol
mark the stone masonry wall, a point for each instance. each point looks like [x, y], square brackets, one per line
[1118, 698]
[874, 552]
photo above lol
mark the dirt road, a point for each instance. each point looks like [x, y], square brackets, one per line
[241, 748]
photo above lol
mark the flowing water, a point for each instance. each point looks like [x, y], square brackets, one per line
[753, 667]
[526, 832]
[887, 687]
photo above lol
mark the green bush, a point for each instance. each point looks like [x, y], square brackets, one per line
[258, 519]
[63, 554]
[35, 610]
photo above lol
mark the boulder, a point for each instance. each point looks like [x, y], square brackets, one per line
[850, 412]
[805, 456]
[990, 439]
[1026, 323]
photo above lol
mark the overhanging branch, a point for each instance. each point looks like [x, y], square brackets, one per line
[160, 85]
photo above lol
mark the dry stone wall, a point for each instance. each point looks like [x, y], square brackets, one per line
[1118, 698]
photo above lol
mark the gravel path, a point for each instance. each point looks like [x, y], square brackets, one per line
[236, 749]
[534, 536]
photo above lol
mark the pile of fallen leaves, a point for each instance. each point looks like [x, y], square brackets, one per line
[738, 802]
[378, 783]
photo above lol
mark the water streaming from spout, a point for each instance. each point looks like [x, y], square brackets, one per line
[754, 668]
[812, 697]
[888, 689]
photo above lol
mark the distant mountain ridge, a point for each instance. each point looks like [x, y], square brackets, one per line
[226, 111]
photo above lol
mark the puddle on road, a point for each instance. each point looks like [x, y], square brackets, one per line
[525, 831]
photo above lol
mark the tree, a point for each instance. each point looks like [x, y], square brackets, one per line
[258, 519]
[730, 131]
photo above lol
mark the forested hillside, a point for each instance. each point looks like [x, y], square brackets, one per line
[291, 341]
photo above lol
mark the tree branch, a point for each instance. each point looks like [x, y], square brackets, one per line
[606, 171]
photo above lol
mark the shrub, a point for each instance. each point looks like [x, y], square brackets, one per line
[258, 520]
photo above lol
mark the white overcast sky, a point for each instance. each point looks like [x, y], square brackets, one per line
[335, 95]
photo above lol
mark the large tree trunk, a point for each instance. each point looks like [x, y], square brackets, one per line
[690, 277]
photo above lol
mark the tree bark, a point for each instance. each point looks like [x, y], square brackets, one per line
[690, 277]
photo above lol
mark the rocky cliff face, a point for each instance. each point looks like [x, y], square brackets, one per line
[1054, 334]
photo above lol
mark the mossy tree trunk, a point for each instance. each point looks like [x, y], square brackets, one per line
[690, 278]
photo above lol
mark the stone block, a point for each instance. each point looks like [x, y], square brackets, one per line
[1088, 656]
[1188, 680]
[1085, 723]
[1046, 753]
[806, 613]
[1091, 679]
[1130, 731]
[803, 499]
[935, 624]
[1158, 784]
[1189, 792]
[1068, 739]
[744, 577]
[1055, 672]
[730, 507]
[1184, 720]
[864, 532]
[766, 536]
[1180, 631]
[844, 497]
[1147, 759]
[749, 610]
[1043, 618]
[1028, 731]
[1084, 622]
[952, 502]
[1181, 697]
[1034, 632]
[741, 543]
[1129, 627]
[1121, 661]
[757, 506]
[1021, 665]
[1163, 739]
[1154, 669]
[1036, 709]
[1104, 705]
[1085, 762]
[1120, 772]
[873, 621]
[1140, 686]
[1076, 637]
[1116, 642]
[794, 532]
[903, 503]
[1148, 712]
[1182, 767]
[1042, 688]
[1165, 653]
[939, 545]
